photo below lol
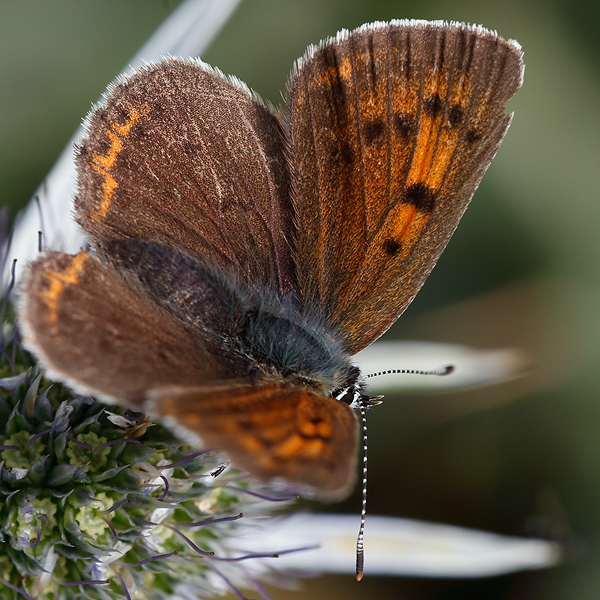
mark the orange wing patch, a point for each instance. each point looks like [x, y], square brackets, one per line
[431, 112]
[104, 164]
[273, 430]
[57, 282]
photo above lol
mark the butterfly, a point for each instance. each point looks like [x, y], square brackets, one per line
[242, 255]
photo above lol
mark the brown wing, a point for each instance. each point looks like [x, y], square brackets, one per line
[92, 331]
[273, 430]
[178, 154]
[392, 127]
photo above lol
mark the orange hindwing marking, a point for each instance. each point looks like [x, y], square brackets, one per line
[58, 280]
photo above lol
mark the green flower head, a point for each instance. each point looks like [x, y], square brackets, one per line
[99, 503]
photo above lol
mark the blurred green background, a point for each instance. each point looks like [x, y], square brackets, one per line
[521, 271]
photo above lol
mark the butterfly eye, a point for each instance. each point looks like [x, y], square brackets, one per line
[345, 395]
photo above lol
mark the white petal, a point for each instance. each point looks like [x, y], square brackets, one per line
[187, 32]
[43, 580]
[472, 367]
[395, 546]
[19, 473]
[118, 420]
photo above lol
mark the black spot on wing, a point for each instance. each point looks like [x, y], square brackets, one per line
[433, 105]
[391, 247]
[420, 196]
[373, 131]
[473, 135]
[347, 153]
[456, 115]
[343, 153]
[405, 125]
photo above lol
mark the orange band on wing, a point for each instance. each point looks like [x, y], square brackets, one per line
[105, 163]
[58, 280]
[438, 139]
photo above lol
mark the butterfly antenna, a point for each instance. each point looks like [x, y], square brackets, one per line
[361, 404]
[445, 370]
[360, 552]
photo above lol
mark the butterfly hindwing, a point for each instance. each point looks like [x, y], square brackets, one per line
[162, 162]
[272, 429]
[392, 127]
[92, 330]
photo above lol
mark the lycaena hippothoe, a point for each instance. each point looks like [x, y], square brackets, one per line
[241, 257]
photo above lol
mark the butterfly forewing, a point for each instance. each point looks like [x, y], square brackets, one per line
[178, 154]
[392, 127]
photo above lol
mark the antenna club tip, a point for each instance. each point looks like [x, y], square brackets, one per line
[360, 564]
[447, 370]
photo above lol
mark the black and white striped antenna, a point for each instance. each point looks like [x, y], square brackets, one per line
[362, 403]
